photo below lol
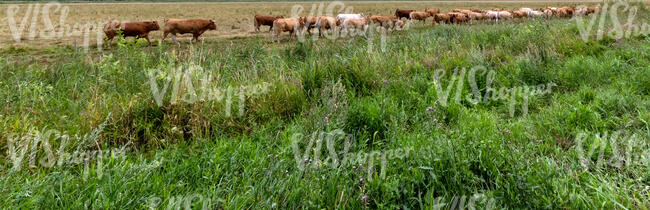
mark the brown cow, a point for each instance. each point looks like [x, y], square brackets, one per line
[518, 14]
[136, 29]
[285, 24]
[421, 16]
[326, 23]
[265, 20]
[440, 18]
[432, 11]
[358, 23]
[477, 10]
[458, 18]
[196, 27]
[400, 13]
[308, 23]
[383, 21]
[475, 16]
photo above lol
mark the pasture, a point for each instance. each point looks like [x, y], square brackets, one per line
[526, 113]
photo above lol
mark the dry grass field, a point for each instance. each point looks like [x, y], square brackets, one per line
[233, 19]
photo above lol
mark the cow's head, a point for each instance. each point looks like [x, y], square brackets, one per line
[302, 21]
[153, 25]
[212, 25]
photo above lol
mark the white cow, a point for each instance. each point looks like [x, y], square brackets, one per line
[342, 17]
[535, 14]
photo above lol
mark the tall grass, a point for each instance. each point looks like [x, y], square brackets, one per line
[379, 97]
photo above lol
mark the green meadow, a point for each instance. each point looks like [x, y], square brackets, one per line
[349, 123]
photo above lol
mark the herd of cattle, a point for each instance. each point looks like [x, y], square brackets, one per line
[343, 22]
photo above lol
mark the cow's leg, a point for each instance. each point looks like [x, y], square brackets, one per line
[146, 36]
[164, 36]
[174, 38]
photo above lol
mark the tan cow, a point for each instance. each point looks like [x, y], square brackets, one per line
[326, 23]
[432, 11]
[196, 27]
[308, 23]
[136, 29]
[356, 23]
[292, 25]
[421, 16]
[441, 18]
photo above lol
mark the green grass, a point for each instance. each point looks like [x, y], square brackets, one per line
[380, 98]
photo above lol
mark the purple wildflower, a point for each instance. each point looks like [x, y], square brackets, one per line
[364, 198]
[430, 109]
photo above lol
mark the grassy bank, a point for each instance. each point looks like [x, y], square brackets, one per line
[385, 100]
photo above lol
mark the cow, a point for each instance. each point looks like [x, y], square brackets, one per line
[535, 14]
[475, 16]
[383, 21]
[265, 20]
[403, 13]
[196, 27]
[357, 23]
[432, 11]
[292, 25]
[477, 10]
[326, 23]
[308, 23]
[462, 11]
[519, 13]
[342, 17]
[457, 17]
[421, 16]
[441, 18]
[496, 15]
[566, 12]
[135, 29]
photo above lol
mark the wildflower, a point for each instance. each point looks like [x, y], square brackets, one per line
[325, 120]
[430, 109]
[276, 156]
[364, 198]
[508, 132]
[361, 180]
[4, 190]
[286, 171]
[354, 167]
[437, 101]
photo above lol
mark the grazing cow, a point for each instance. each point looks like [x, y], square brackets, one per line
[384, 21]
[496, 15]
[326, 23]
[441, 18]
[475, 16]
[548, 12]
[403, 13]
[196, 27]
[308, 23]
[498, 9]
[458, 18]
[342, 17]
[477, 10]
[584, 11]
[566, 12]
[265, 20]
[398, 23]
[292, 25]
[466, 11]
[535, 14]
[518, 14]
[525, 9]
[136, 29]
[432, 11]
[358, 23]
[421, 16]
